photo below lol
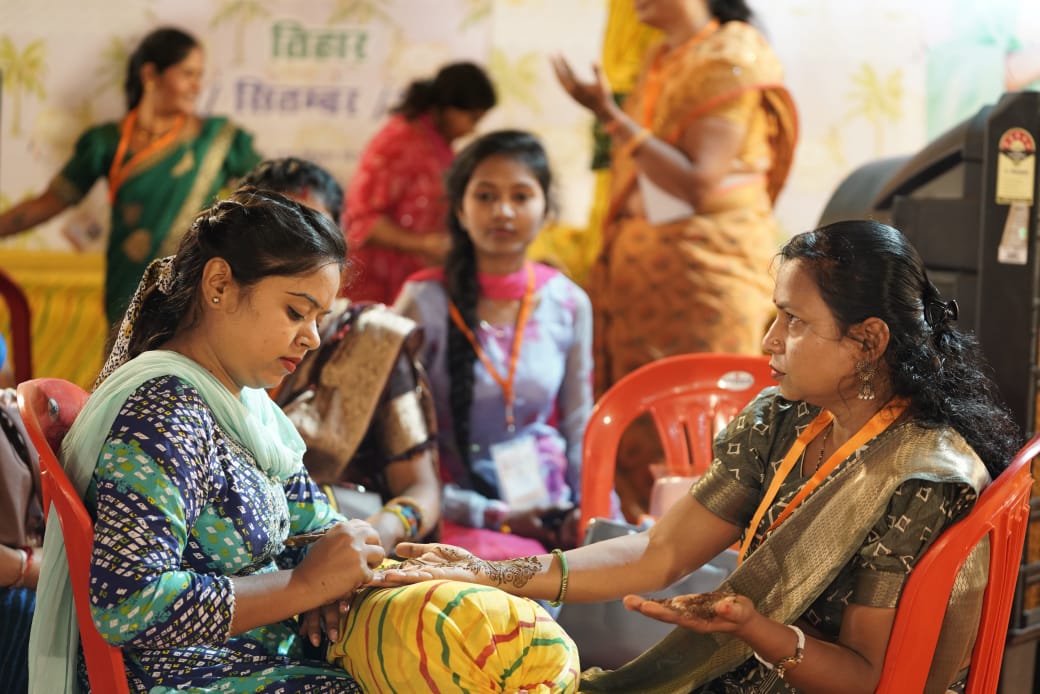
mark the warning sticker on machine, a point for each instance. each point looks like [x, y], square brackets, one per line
[1016, 167]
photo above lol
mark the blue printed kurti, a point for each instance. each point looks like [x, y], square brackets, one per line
[181, 508]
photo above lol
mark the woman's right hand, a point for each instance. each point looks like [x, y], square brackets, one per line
[595, 95]
[341, 561]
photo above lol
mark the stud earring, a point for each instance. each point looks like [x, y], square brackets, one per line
[865, 372]
[216, 300]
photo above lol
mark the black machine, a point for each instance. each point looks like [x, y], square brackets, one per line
[968, 202]
[978, 250]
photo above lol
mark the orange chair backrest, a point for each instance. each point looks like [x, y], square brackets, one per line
[690, 397]
[1002, 513]
[48, 407]
[21, 327]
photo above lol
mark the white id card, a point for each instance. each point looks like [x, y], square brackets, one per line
[519, 473]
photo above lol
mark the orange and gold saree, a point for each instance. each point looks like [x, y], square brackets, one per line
[699, 284]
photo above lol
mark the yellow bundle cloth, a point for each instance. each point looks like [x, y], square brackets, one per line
[453, 637]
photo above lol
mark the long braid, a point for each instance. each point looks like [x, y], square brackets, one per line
[460, 271]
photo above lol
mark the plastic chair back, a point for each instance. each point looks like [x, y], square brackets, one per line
[48, 407]
[690, 397]
[21, 327]
[1002, 513]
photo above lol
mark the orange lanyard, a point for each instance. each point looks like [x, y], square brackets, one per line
[881, 420]
[663, 65]
[119, 171]
[508, 382]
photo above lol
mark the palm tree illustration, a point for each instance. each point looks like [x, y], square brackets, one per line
[360, 12]
[876, 98]
[240, 13]
[23, 73]
[517, 80]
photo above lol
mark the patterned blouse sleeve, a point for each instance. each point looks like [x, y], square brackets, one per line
[917, 514]
[375, 186]
[152, 480]
[241, 156]
[732, 486]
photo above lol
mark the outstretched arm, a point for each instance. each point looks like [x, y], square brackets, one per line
[638, 563]
[26, 215]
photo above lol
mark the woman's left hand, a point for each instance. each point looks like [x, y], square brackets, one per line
[728, 612]
[325, 618]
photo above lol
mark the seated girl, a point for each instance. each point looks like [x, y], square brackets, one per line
[508, 349]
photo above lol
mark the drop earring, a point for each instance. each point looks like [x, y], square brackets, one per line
[865, 372]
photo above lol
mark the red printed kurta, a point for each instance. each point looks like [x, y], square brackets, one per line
[400, 176]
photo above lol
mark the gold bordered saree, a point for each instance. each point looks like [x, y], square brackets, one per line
[787, 572]
[160, 195]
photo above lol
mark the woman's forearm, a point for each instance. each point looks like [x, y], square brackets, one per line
[384, 232]
[267, 598]
[28, 214]
[688, 173]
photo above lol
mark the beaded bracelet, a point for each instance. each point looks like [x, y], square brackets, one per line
[409, 511]
[564, 575]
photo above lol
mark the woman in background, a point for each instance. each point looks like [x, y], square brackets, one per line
[508, 350]
[700, 152]
[163, 163]
[395, 200]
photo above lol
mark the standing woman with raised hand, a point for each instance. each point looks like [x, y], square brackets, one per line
[395, 200]
[508, 350]
[700, 152]
[163, 163]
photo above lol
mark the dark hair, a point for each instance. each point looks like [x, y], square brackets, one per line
[460, 268]
[260, 234]
[293, 176]
[464, 86]
[866, 269]
[163, 47]
[730, 11]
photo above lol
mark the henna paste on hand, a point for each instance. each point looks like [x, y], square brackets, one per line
[696, 606]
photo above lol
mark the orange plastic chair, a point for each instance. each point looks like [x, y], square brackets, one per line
[1002, 512]
[21, 327]
[691, 397]
[48, 407]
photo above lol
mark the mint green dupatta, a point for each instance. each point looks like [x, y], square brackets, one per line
[253, 419]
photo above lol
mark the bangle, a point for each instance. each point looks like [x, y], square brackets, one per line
[409, 511]
[786, 664]
[634, 143]
[26, 555]
[564, 575]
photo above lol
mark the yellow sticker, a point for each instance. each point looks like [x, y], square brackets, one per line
[1016, 167]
